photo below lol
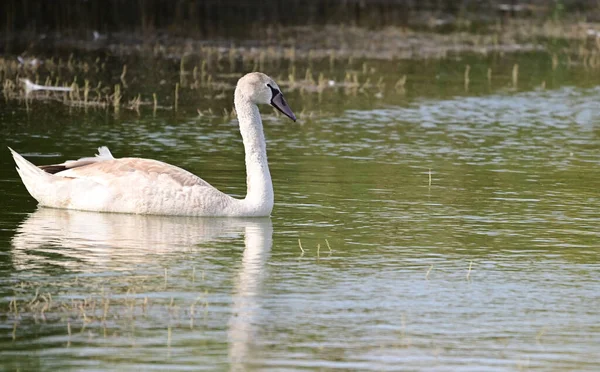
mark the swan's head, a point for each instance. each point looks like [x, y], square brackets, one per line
[258, 88]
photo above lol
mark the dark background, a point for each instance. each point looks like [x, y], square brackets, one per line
[228, 18]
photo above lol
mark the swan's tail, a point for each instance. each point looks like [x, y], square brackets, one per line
[34, 179]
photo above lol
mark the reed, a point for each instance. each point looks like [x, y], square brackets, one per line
[400, 84]
[116, 98]
[86, 92]
[176, 96]
[135, 104]
[122, 77]
[155, 104]
[428, 271]
[182, 72]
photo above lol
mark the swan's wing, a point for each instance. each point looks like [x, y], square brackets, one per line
[105, 169]
[117, 170]
[102, 155]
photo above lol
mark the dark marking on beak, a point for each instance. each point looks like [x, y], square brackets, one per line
[280, 104]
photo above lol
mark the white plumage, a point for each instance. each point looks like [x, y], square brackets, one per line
[144, 186]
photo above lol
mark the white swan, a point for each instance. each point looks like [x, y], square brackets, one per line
[144, 186]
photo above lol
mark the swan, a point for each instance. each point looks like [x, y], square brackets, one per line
[145, 186]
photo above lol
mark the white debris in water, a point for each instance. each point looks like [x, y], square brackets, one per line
[30, 87]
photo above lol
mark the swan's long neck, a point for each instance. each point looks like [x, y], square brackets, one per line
[259, 197]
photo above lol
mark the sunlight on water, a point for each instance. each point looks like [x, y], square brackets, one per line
[458, 233]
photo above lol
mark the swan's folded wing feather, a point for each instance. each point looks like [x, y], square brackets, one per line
[103, 154]
[130, 169]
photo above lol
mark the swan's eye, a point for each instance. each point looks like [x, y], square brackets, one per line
[274, 91]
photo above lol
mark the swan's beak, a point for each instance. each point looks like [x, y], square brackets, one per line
[280, 104]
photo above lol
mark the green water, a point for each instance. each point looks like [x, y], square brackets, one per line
[443, 228]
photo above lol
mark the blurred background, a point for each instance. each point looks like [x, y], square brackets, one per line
[230, 18]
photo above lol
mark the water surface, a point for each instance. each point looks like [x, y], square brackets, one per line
[440, 229]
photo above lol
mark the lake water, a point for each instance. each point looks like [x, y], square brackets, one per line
[437, 228]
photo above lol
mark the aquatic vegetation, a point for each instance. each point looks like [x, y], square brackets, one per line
[309, 61]
[101, 312]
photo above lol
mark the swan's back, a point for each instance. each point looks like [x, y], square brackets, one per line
[126, 185]
[134, 170]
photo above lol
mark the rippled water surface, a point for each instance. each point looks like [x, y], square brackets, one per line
[441, 232]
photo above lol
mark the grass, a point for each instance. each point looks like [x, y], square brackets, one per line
[101, 310]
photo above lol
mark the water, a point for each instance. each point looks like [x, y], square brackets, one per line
[441, 229]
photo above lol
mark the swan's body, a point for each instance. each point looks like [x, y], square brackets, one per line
[144, 186]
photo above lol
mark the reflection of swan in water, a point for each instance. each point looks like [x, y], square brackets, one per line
[69, 238]
[84, 241]
[87, 241]
[245, 306]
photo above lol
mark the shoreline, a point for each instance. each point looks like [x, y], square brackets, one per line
[308, 42]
